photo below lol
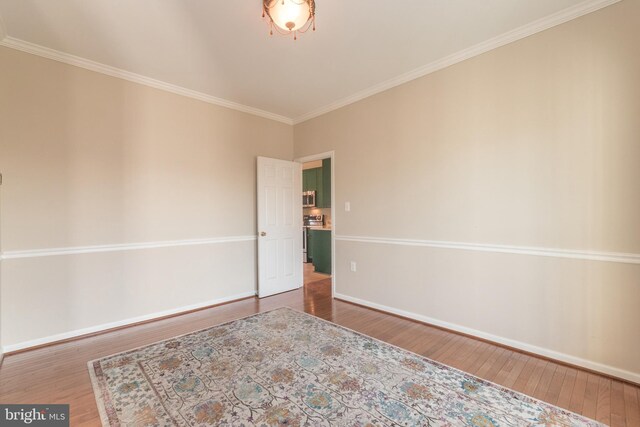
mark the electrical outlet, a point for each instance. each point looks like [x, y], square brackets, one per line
[353, 266]
[347, 206]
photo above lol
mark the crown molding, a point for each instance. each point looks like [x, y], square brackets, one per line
[98, 67]
[550, 21]
[3, 29]
[527, 30]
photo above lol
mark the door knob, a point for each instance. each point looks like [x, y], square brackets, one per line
[263, 233]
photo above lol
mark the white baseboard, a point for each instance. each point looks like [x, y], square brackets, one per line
[106, 326]
[562, 357]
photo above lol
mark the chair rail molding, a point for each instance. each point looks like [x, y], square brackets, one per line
[621, 257]
[121, 247]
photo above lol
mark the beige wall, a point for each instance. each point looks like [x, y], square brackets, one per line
[89, 159]
[533, 144]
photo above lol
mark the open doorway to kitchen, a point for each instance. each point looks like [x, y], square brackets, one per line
[318, 219]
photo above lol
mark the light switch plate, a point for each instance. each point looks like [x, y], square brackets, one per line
[347, 206]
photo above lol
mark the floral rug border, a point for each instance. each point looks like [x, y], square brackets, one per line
[97, 382]
[523, 397]
[109, 418]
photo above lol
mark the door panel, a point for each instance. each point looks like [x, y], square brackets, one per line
[279, 225]
[271, 206]
[288, 215]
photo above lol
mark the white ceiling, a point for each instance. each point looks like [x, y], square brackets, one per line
[221, 48]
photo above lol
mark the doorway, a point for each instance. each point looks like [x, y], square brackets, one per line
[318, 217]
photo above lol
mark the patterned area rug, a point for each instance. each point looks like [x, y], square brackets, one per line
[287, 368]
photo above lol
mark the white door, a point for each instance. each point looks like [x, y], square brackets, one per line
[279, 226]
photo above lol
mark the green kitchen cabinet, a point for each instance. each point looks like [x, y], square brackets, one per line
[319, 180]
[319, 189]
[320, 244]
[326, 183]
[309, 180]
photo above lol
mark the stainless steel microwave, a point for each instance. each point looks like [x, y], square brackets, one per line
[309, 199]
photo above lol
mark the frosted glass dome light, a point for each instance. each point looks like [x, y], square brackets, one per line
[291, 16]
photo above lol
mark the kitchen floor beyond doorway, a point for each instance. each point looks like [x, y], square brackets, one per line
[310, 275]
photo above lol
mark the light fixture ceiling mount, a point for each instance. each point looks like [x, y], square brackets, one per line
[290, 16]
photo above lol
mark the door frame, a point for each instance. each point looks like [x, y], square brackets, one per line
[320, 156]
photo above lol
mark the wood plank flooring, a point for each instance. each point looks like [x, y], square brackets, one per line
[58, 374]
[310, 275]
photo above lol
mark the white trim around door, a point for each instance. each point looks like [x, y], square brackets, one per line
[321, 156]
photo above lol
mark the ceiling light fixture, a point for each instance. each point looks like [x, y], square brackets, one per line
[290, 16]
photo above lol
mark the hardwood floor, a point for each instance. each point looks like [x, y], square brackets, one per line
[310, 275]
[58, 374]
